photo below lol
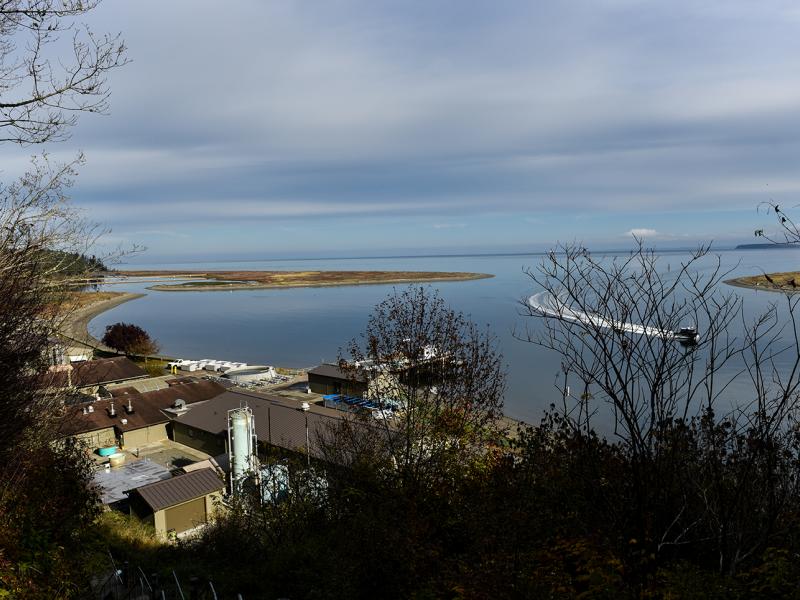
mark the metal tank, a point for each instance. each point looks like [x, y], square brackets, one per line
[242, 447]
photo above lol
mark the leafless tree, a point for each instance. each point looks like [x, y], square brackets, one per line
[646, 380]
[441, 375]
[788, 230]
[36, 222]
[51, 68]
[703, 469]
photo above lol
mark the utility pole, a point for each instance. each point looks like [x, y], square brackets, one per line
[305, 407]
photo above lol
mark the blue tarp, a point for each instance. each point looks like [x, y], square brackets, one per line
[353, 402]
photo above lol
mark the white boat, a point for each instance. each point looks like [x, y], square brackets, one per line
[548, 305]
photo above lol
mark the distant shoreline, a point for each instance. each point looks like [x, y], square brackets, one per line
[256, 280]
[531, 254]
[776, 246]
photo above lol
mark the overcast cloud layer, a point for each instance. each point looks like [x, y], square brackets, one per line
[335, 128]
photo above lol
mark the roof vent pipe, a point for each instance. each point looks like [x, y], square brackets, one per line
[111, 410]
[129, 408]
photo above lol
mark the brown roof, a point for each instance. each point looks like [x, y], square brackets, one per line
[333, 371]
[278, 421]
[123, 391]
[177, 380]
[147, 407]
[94, 372]
[179, 489]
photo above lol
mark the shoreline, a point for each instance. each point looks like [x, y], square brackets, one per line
[747, 283]
[76, 328]
[76, 324]
[222, 286]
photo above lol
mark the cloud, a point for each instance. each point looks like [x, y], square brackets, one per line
[642, 232]
[361, 109]
[159, 232]
[449, 225]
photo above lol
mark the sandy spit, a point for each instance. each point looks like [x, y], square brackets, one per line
[76, 324]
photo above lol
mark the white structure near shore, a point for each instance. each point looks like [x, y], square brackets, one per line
[237, 372]
[205, 364]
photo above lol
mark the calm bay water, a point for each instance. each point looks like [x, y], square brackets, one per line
[302, 327]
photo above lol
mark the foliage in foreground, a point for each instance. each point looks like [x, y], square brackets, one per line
[54, 68]
[130, 339]
[684, 501]
[554, 516]
[43, 524]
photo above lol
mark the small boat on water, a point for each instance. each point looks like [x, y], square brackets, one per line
[687, 335]
[550, 305]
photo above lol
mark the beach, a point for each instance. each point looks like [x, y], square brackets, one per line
[76, 324]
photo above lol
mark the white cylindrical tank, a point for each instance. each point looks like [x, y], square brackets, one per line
[242, 444]
[251, 374]
[240, 450]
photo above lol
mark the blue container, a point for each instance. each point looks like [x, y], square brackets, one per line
[107, 451]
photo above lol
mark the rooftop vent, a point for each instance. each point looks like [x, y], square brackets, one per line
[129, 407]
[111, 410]
[178, 407]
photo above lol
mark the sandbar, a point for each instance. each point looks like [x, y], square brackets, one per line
[254, 280]
[787, 282]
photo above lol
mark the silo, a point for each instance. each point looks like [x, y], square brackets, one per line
[242, 446]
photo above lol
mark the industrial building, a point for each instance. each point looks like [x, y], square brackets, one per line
[170, 441]
[180, 503]
[63, 351]
[328, 378]
[130, 419]
[278, 422]
[88, 377]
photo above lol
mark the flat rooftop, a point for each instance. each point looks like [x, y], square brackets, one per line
[154, 462]
[115, 482]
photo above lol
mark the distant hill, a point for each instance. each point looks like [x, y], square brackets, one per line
[72, 263]
[766, 246]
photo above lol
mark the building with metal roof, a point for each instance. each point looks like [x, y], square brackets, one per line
[89, 375]
[180, 503]
[148, 384]
[328, 378]
[278, 422]
[134, 419]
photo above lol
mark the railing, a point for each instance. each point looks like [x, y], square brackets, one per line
[130, 583]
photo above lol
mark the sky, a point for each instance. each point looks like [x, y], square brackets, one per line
[341, 128]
